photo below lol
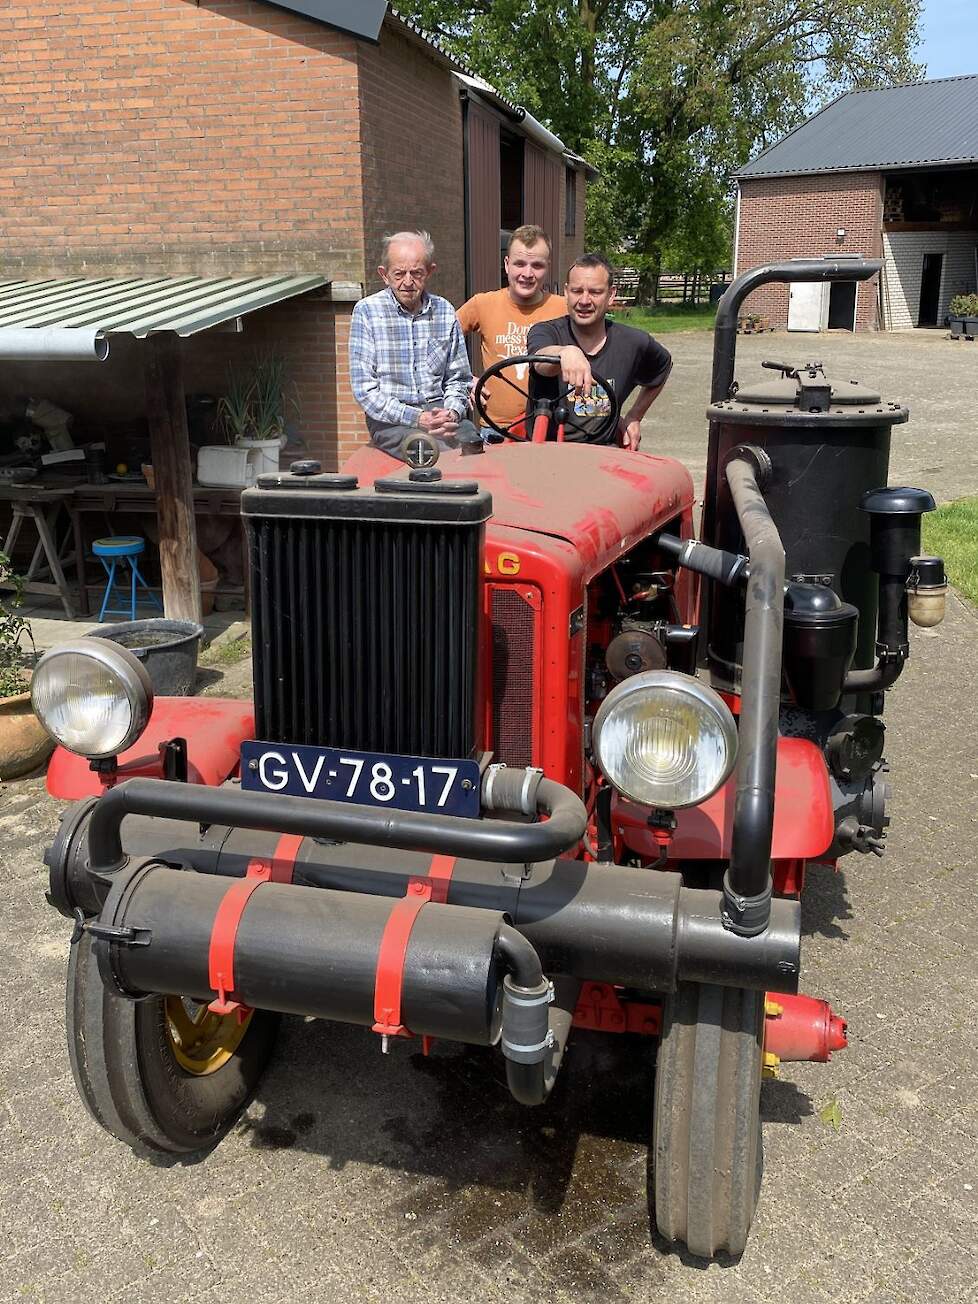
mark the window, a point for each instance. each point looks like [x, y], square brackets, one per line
[570, 201]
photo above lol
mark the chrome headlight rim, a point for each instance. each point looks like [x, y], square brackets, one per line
[128, 671]
[681, 685]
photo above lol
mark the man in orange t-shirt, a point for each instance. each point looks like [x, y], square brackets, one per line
[503, 319]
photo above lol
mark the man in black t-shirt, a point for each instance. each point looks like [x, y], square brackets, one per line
[621, 355]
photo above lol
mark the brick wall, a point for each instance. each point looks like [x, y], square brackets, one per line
[161, 135]
[797, 217]
[411, 124]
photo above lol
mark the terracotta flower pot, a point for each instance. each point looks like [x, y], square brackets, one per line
[24, 743]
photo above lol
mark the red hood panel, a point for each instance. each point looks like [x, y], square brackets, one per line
[601, 500]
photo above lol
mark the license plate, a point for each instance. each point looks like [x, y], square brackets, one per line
[363, 778]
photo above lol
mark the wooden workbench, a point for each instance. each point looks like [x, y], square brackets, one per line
[81, 497]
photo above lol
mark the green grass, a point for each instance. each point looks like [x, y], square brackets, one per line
[952, 533]
[669, 317]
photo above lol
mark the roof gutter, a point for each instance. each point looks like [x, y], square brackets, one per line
[53, 344]
[532, 129]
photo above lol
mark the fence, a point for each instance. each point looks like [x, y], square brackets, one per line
[673, 287]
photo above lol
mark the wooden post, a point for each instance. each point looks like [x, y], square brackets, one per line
[170, 445]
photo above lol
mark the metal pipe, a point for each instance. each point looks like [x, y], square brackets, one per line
[747, 881]
[637, 928]
[480, 839]
[804, 269]
[53, 344]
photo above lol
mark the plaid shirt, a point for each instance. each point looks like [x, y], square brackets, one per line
[400, 362]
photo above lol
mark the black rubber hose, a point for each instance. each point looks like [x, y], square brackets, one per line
[729, 568]
[747, 882]
[531, 1084]
[499, 840]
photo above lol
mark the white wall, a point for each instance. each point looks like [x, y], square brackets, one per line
[903, 254]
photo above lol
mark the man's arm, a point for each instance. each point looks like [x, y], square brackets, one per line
[657, 364]
[468, 315]
[367, 386]
[458, 373]
[631, 421]
[571, 363]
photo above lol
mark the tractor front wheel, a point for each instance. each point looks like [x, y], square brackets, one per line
[162, 1073]
[706, 1156]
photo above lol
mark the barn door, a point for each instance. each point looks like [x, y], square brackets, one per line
[483, 200]
[543, 179]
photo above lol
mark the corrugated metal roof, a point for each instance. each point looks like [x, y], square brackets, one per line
[921, 124]
[141, 305]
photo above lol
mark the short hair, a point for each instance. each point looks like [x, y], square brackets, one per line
[422, 237]
[530, 235]
[593, 260]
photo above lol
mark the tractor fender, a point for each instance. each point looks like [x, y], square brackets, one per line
[804, 821]
[214, 728]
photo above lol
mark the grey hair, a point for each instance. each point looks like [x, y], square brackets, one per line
[425, 239]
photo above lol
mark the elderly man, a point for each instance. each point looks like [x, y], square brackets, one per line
[408, 366]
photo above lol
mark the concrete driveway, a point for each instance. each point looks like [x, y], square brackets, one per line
[360, 1177]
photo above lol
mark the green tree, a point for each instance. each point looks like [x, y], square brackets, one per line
[669, 97]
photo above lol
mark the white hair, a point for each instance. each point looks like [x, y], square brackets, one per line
[418, 237]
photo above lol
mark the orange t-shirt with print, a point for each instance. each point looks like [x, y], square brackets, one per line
[504, 326]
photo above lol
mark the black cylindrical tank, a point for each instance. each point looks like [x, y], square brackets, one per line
[828, 444]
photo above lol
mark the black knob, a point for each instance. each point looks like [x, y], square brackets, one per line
[308, 466]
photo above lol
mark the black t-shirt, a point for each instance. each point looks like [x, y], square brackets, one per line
[628, 358]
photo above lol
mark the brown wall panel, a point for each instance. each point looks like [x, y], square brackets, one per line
[543, 200]
[484, 199]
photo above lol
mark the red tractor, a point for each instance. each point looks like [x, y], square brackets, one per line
[524, 755]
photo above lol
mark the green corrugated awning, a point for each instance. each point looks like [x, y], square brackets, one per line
[141, 306]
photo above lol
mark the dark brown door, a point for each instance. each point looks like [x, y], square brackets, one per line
[543, 180]
[930, 289]
[483, 200]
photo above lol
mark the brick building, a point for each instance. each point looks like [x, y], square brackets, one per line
[889, 174]
[224, 170]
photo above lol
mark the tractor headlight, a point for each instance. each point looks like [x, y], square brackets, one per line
[92, 697]
[664, 739]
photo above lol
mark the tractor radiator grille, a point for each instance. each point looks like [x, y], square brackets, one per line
[366, 632]
[514, 655]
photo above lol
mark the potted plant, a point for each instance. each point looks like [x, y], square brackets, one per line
[24, 742]
[963, 315]
[255, 409]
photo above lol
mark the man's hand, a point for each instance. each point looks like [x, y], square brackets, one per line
[440, 422]
[630, 433]
[575, 370]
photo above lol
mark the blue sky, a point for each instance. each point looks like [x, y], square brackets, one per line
[950, 37]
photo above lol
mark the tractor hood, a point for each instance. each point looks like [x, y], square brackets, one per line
[600, 500]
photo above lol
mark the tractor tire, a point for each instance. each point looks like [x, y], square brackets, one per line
[161, 1074]
[706, 1156]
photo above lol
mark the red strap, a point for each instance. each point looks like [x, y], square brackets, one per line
[224, 933]
[440, 877]
[283, 859]
[390, 959]
[389, 981]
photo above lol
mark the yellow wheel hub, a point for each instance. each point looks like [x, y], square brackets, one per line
[201, 1042]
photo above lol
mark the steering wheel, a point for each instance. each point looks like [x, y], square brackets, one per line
[559, 409]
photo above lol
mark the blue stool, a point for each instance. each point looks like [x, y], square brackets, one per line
[110, 552]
